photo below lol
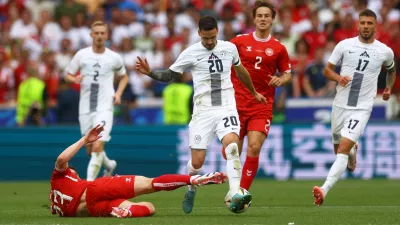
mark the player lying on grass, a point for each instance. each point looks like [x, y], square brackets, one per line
[107, 196]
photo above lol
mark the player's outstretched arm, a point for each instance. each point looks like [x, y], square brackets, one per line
[330, 74]
[390, 79]
[67, 154]
[245, 78]
[160, 75]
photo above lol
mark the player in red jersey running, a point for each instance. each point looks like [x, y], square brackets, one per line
[107, 196]
[262, 56]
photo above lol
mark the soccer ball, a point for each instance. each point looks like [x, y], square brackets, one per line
[242, 208]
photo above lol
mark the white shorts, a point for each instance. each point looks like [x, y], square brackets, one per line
[206, 123]
[349, 123]
[91, 120]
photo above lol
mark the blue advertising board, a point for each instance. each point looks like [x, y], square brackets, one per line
[290, 152]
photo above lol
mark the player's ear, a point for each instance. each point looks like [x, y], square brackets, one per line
[199, 32]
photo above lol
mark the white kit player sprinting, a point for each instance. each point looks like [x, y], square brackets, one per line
[97, 65]
[210, 62]
[361, 59]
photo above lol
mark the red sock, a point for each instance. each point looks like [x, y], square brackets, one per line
[249, 172]
[139, 211]
[170, 182]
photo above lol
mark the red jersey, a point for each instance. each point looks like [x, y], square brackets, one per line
[261, 57]
[66, 191]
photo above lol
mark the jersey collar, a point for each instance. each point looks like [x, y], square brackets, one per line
[260, 39]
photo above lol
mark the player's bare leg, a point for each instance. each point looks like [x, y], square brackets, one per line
[337, 169]
[250, 167]
[194, 167]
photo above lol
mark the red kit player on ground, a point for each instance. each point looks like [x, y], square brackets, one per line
[107, 196]
[262, 56]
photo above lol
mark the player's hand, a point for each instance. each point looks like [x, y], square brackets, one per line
[275, 81]
[143, 66]
[344, 81]
[260, 98]
[117, 99]
[386, 93]
[78, 79]
[94, 134]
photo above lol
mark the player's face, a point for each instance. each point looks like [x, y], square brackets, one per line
[263, 19]
[99, 35]
[208, 38]
[366, 27]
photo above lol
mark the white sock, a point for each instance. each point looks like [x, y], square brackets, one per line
[353, 150]
[233, 167]
[337, 169]
[106, 161]
[192, 171]
[94, 166]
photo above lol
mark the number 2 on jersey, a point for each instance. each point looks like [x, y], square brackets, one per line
[258, 61]
[96, 75]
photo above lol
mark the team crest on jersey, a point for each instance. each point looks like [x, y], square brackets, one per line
[212, 56]
[269, 51]
[365, 54]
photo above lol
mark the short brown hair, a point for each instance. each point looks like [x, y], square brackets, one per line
[98, 23]
[259, 4]
[367, 12]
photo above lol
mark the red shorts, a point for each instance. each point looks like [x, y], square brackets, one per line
[254, 121]
[107, 192]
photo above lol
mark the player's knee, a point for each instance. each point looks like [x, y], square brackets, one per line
[97, 147]
[197, 163]
[254, 149]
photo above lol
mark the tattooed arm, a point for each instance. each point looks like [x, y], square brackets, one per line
[164, 75]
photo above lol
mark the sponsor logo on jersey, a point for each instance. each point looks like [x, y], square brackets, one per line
[269, 51]
[97, 65]
[248, 48]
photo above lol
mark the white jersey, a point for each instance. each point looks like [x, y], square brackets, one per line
[211, 71]
[97, 87]
[362, 62]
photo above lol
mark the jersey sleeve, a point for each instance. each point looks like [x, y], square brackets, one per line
[283, 61]
[337, 54]
[182, 63]
[119, 66]
[236, 57]
[389, 61]
[73, 66]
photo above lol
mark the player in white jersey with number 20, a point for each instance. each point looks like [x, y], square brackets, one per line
[214, 111]
[97, 65]
[361, 59]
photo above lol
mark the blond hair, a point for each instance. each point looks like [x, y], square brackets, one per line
[98, 23]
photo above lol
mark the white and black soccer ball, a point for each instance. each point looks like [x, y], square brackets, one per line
[242, 208]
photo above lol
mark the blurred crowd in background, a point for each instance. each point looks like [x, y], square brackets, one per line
[38, 38]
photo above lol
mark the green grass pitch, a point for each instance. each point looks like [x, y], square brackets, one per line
[274, 202]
